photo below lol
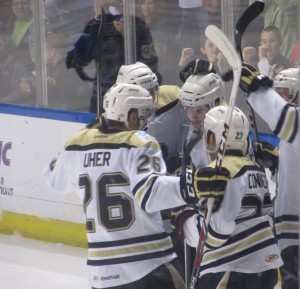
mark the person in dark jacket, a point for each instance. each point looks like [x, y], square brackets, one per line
[102, 40]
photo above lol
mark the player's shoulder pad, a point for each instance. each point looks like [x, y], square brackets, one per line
[83, 137]
[237, 166]
[143, 139]
[167, 94]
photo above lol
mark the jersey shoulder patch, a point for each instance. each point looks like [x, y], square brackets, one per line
[237, 166]
[143, 139]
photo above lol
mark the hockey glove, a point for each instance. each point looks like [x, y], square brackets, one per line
[196, 67]
[82, 53]
[266, 155]
[182, 216]
[251, 79]
[204, 183]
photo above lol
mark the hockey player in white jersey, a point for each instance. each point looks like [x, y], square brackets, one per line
[240, 249]
[139, 74]
[281, 112]
[119, 174]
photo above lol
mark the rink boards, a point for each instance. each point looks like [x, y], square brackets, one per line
[30, 137]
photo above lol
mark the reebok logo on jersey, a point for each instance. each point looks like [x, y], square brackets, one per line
[110, 277]
[271, 258]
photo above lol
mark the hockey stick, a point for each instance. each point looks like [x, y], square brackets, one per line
[216, 36]
[253, 11]
[99, 62]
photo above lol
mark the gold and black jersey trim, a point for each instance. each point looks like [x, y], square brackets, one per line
[288, 124]
[215, 239]
[241, 245]
[166, 107]
[130, 250]
[238, 165]
[93, 146]
[129, 241]
[143, 189]
[287, 227]
[89, 139]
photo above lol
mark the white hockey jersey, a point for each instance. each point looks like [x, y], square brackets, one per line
[240, 236]
[120, 178]
[284, 120]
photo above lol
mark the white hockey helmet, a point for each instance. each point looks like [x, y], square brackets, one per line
[122, 97]
[140, 74]
[200, 90]
[238, 131]
[290, 79]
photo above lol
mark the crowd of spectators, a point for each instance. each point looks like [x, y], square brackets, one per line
[168, 33]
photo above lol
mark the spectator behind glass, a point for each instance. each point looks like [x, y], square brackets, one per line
[75, 15]
[208, 51]
[117, 8]
[11, 74]
[18, 31]
[111, 48]
[154, 14]
[271, 61]
[5, 11]
[194, 19]
[52, 20]
[282, 14]
[64, 89]
[295, 55]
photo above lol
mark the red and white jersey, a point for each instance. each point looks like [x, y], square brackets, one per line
[120, 178]
[284, 120]
[240, 234]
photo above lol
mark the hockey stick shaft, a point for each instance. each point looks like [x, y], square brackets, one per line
[253, 11]
[187, 149]
[215, 35]
[99, 62]
[187, 269]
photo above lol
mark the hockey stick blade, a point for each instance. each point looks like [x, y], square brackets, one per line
[255, 9]
[215, 35]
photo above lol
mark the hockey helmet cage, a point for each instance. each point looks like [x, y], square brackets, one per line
[238, 131]
[199, 90]
[290, 79]
[122, 97]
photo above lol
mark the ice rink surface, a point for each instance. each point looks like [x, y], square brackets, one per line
[30, 264]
